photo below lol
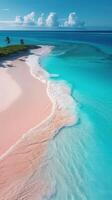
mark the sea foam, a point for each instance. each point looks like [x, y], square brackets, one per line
[58, 91]
[31, 150]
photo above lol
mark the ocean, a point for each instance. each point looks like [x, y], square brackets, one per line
[79, 162]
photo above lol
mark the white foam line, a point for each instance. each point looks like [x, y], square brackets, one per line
[37, 54]
[49, 49]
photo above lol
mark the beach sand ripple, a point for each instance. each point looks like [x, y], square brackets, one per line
[23, 172]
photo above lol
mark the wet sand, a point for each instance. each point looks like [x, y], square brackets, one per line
[38, 112]
[28, 103]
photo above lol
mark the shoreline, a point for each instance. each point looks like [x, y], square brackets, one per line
[27, 155]
[7, 69]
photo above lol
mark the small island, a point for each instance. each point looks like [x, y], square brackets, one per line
[12, 49]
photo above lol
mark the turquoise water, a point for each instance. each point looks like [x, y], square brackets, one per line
[79, 164]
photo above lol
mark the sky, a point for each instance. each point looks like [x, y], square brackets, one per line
[58, 14]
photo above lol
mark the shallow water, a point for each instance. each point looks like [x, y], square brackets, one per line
[79, 162]
[82, 155]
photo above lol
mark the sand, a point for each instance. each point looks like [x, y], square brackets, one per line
[30, 120]
[25, 103]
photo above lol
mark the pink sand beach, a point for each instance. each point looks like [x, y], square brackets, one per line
[31, 113]
[24, 103]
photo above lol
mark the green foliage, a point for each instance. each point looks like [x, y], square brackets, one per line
[8, 50]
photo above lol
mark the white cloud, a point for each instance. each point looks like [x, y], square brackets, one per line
[71, 21]
[52, 20]
[26, 20]
[18, 20]
[41, 20]
[29, 19]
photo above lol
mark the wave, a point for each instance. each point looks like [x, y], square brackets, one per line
[60, 94]
[58, 91]
[27, 158]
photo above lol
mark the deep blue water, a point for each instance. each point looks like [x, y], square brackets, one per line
[80, 164]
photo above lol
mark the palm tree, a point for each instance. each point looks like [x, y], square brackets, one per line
[21, 41]
[7, 39]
